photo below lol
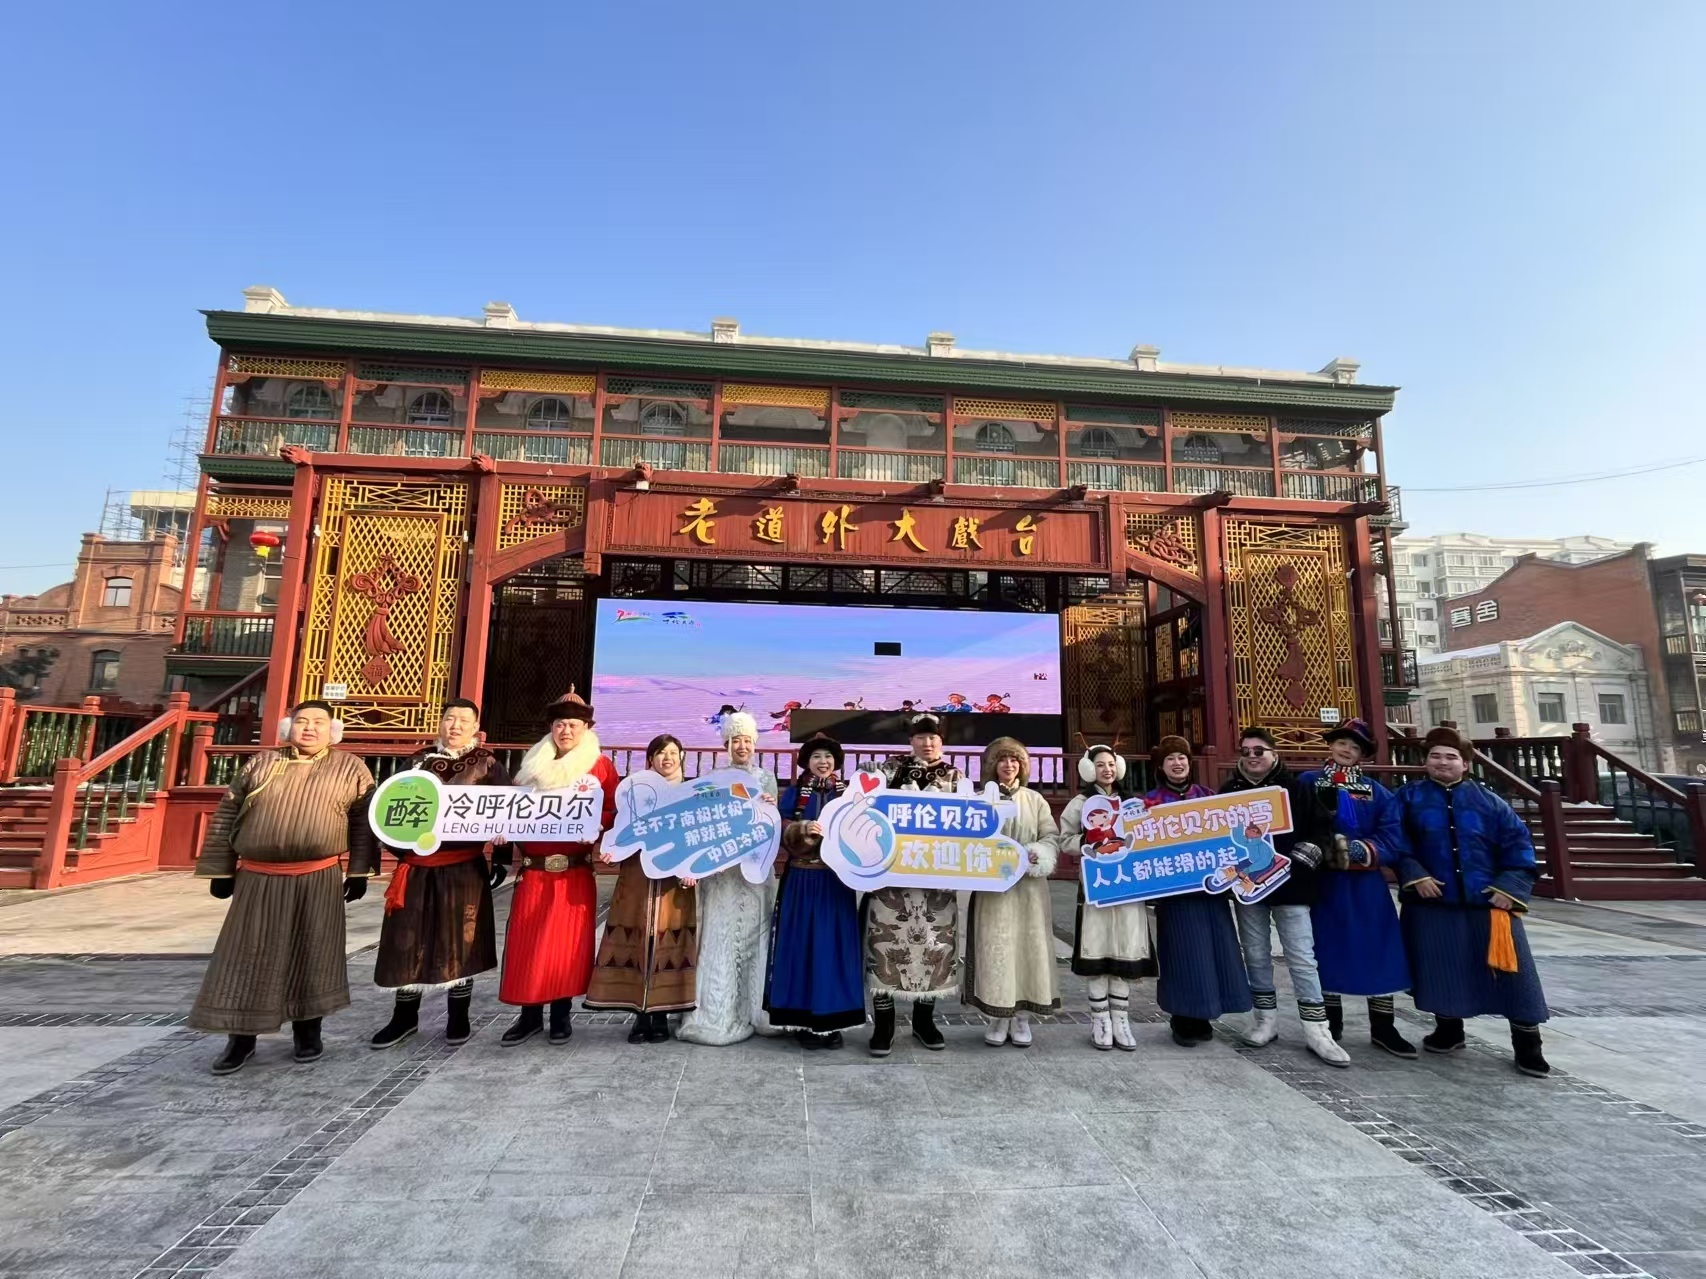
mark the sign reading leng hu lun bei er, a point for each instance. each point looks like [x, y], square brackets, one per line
[416, 811]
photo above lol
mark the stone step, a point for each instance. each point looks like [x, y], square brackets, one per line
[1623, 870]
[1632, 890]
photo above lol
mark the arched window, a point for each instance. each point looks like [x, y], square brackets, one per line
[117, 593]
[992, 437]
[663, 418]
[432, 408]
[1199, 448]
[548, 414]
[310, 401]
[1098, 441]
[103, 669]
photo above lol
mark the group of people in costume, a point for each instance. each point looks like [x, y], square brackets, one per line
[800, 952]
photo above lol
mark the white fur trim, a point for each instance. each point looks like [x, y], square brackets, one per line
[1087, 764]
[284, 725]
[739, 723]
[1047, 854]
[544, 769]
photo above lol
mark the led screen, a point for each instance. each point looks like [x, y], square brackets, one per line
[660, 666]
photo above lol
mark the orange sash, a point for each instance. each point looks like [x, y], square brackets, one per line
[400, 879]
[289, 868]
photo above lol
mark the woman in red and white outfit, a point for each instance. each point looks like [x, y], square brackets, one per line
[548, 947]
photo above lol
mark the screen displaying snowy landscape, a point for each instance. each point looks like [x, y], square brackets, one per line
[661, 666]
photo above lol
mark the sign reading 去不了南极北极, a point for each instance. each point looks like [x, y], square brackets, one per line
[415, 811]
[874, 837]
[1221, 843]
[696, 828]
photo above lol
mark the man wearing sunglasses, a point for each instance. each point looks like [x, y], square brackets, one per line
[1285, 909]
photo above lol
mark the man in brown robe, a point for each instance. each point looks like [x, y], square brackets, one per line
[274, 848]
[438, 929]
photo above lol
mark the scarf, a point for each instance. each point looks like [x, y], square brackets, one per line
[810, 785]
[1345, 777]
[543, 769]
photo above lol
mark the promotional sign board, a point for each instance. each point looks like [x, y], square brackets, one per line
[416, 811]
[874, 837]
[1223, 843]
[696, 828]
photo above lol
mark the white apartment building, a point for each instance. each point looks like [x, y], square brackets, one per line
[1429, 570]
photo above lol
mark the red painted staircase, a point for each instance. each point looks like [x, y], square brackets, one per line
[123, 849]
[1610, 860]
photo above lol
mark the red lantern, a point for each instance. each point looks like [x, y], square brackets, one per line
[264, 542]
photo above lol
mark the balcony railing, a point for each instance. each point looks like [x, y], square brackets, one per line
[901, 468]
[673, 455]
[773, 459]
[1398, 668]
[1008, 472]
[227, 635]
[1394, 517]
[405, 441]
[1239, 480]
[264, 437]
[1118, 477]
[1327, 486]
[507, 446]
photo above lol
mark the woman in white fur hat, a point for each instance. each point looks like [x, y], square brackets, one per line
[734, 925]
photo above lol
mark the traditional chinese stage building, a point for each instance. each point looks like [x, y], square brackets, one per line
[399, 509]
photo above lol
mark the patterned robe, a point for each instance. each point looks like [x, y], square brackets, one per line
[280, 954]
[912, 934]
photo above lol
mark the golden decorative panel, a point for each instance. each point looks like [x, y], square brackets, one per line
[1173, 538]
[384, 598]
[782, 397]
[242, 507]
[528, 512]
[1164, 669]
[1289, 627]
[496, 381]
[1102, 670]
[275, 366]
[1242, 423]
[1009, 410]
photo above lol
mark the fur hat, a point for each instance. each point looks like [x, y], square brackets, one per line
[1355, 729]
[1443, 736]
[1172, 744]
[1006, 746]
[925, 723]
[569, 706]
[820, 742]
[739, 724]
[1087, 764]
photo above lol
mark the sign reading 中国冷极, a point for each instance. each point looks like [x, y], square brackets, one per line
[1221, 843]
[874, 837]
[416, 811]
[696, 828]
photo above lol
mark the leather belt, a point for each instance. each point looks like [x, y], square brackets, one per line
[556, 862]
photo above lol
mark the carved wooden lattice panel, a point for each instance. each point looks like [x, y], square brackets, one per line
[528, 512]
[787, 397]
[1289, 627]
[247, 366]
[1008, 410]
[1102, 667]
[1170, 537]
[241, 506]
[493, 381]
[1240, 423]
[384, 598]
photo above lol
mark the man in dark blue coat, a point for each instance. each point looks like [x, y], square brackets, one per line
[1467, 875]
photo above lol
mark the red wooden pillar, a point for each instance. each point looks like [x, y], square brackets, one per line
[201, 737]
[1220, 704]
[293, 576]
[477, 611]
[56, 836]
[1365, 618]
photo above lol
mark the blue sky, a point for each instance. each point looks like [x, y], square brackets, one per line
[1496, 206]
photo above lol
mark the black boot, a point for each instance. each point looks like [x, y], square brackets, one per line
[405, 1020]
[457, 1003]
[637, 1032]
[528, 1024]
[1183, 1029]
[882, 1032]
[1383, 1033]
[1446, 1036]
[833, 1039]
[238, 1050]
[306, 1033]
[1525, 1040]
[924, 1028]
[657, 1030]
[1335, 1018]
[560, 1027]
[805, 1039]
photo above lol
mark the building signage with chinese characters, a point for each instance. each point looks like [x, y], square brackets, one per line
[1218, 844]
[695, 828]
[875, 837]
[913, 532]
[416, 811]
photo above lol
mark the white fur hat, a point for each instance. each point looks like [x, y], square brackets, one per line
[736, 723]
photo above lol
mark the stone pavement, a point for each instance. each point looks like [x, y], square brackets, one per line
[121, 1156]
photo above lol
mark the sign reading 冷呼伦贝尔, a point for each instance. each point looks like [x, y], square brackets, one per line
[413, 810]
[1217, 844]
[696, 828]
[875, 837]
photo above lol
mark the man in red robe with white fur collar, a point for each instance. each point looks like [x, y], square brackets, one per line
[548, 947]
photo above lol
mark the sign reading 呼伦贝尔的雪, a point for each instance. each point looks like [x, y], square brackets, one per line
[696, 828]
[875, 837]
[1221, 843]
[413, 810]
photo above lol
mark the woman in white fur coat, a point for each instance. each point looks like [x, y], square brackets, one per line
[1010, 936]
[734, 926]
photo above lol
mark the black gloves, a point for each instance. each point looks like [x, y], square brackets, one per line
[500, 872]
[1306, 854]
[221, 887]
[502, 856]
[355, 888]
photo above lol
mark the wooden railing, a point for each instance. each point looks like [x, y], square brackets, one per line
[34, 738]
[226, 634]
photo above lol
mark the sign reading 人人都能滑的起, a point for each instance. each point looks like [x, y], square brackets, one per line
[416, 811]
[696, 828]
[1222, 843]
[875, 837]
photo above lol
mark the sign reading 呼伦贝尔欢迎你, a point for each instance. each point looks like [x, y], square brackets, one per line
[1221, 843]
[415, 811]
[875, 837]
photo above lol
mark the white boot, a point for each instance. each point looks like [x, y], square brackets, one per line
[1101, 1031]
[996, 1035]
[1021, 1031]
[1320, 1042]
[1264, 1029]
[1123, 1038]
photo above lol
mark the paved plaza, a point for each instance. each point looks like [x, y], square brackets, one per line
[121, 1156]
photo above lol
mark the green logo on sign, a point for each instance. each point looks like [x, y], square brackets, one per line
[405, 810]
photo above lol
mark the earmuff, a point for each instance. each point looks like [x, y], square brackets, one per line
[1087, 764]
[285, 723]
